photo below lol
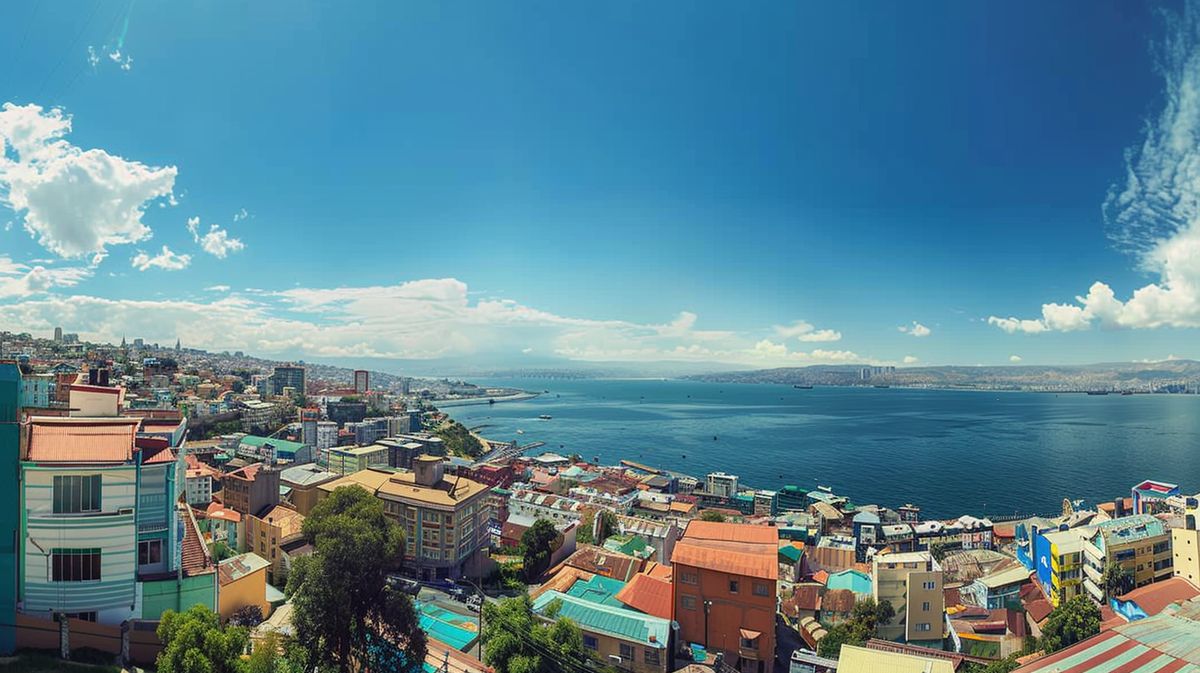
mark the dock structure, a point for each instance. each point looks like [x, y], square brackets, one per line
[502, 451]
[639, 466]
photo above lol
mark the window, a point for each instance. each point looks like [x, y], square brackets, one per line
[82, 616]
[733, 586]
[687, 578]
[748, 643]
[651, 657]
[689, 602]
[76, 495]
[626, 652]
[149, 552]
[929, 586]
[924, 626]
[74, 565]
[925, 606]
[590, 642]
[761, 589]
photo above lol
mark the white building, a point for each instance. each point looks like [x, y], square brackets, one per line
[544, 506]
[721, 484]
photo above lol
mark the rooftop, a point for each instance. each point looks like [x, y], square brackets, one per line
[617, 622]
[81, 440]
[738, 549]
[234, 569]
[648, 593]
[863, 660]
[306, 475]
[1129, 529]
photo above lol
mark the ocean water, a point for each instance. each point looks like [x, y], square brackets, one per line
[951, 452]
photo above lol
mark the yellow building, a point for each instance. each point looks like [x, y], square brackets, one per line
[863, 660]
[1185, 546]
[444, 520]
[269, 530]
[1060, 562]
[912, 583]
[243, 581]
[1140, 544]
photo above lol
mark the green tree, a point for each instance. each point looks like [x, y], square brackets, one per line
[938, 551]
[519, 642]
[194, 642]
[1069, 623]
[459, 440]
[343, 606]
[858, 629]
[266, 656]
[247, 615]
[238, 386]
[537, 545]
[1002, 666]
[1116, 580]
[712, 515]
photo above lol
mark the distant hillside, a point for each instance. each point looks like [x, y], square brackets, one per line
[1165, 376]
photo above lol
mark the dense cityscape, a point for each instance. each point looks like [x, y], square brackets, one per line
[162, 496]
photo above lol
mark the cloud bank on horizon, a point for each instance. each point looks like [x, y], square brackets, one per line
[1154, 215]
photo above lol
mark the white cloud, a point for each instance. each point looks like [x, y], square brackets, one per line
[1014, 358]
[216, 242]
[217, 288]
[911, 359]
[804, 331]
[416, 319]
[75, 202]
[1154, 214]
[21, 280]
[166, 259]
[917, 329]
[240, 215]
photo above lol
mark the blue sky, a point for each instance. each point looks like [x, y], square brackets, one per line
[765, 185]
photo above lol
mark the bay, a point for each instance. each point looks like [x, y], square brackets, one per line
[950, 452]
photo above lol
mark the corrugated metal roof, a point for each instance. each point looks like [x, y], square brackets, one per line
[738, 549]
[65, 440]
[233, 569]
[862, 660]
[648, 594]
[617, 622]
[597, 589]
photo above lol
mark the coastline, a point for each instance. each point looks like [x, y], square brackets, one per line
[472, 401]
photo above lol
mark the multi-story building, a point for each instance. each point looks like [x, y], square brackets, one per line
[198, 486]
[402, 452]
[362, 381]
[288, 376]
[369, 430]
[101, 536]
[1058, 559]
[536, 505]
[445, 521]
[912, 583]
[346, 412]
[660, 535]
[258, 415]
[351, 459]
[721, 485]
[304, 480]
[270, 529]
[625, 639]
[1140, 544]
[251, 489]
[725, 578]
[1185, 544]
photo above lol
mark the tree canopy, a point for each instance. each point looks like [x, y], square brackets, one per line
[194, 642]
[459, 440]
[1069, 623]
[346, 615]
[519, 642]
[858, 629]
[537, 546]
[712, 515]
[1117, 580]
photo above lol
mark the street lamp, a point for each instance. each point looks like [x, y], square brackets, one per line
[707, 606]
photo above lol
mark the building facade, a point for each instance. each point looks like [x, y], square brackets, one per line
[912, 583]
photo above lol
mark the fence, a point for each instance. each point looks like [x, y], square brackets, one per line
[135, 641]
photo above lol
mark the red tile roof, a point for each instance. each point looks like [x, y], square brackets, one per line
[604, 562]
[196, 560]
[806, 597]
[648, 594]
[65, 440]
[1152, 598]
[737, 549]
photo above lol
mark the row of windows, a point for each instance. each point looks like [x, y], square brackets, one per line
[74, 565]
[649, 656]
[76, 494]
[758, 588]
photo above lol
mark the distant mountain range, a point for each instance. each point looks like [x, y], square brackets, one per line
[1138, 377]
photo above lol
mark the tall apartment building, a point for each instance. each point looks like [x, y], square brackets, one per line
[362, 381]
[1141, 544]
[721, 484]
[251, 489]
[725, 584]
[912, 583]
[1185, 544]
[350, 459]
[1059, 561]
[288, 376]
[444, 520]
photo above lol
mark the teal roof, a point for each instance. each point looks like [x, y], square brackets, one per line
[859, 583]
[620, 623]
[601, 590]
[791, 553]
[282, 446]
[455, 630]
[1129, 529]
[633, 545]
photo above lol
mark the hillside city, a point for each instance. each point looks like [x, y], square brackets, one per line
[166, 505]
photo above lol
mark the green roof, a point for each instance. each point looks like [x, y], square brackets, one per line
[282, 446]
[631, 545]
[791, 553]
[620, 623]
[601, 590]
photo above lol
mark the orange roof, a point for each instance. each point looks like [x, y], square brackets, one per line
[648, 594]
[92, 440]
[289, 521]
[563, 580]
[216, 510]
[738, 549]
[821, 576]
[659, 571]
[195, 558]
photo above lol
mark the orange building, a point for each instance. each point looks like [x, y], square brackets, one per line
[724, 580]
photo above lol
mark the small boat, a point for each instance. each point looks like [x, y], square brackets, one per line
[826, 489]
[520, 431]
[714, 438]
[545, 417]
[1097, 392]
[491, 401]
[882, 385]
[800, 387]
[1126, 392]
